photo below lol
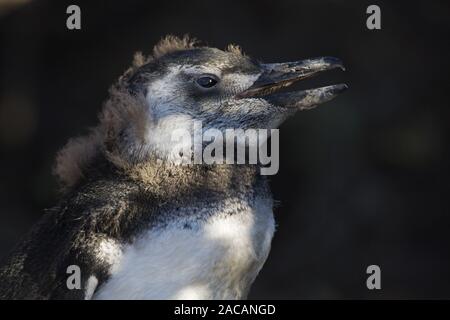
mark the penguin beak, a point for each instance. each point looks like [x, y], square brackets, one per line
[279, 75]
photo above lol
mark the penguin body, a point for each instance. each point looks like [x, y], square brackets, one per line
[207, 244]
[215, 255]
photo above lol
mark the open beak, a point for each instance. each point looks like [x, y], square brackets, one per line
[278, 75]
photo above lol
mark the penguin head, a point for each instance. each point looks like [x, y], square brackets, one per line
[226, 89]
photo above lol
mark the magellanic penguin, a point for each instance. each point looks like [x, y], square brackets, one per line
[136, 223]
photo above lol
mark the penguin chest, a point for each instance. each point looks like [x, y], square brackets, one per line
[217, 256]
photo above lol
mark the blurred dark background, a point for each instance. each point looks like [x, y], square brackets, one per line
[363, 180]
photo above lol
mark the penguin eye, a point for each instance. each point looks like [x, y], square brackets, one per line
[207, 81]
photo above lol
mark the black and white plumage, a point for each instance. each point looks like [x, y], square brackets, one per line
[139, 225]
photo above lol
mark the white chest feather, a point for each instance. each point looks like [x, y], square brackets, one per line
[216, 258]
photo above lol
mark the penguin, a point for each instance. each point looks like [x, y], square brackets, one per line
[135, 222]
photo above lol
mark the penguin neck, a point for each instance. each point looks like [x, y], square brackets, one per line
[166, 177]
[163, 177]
